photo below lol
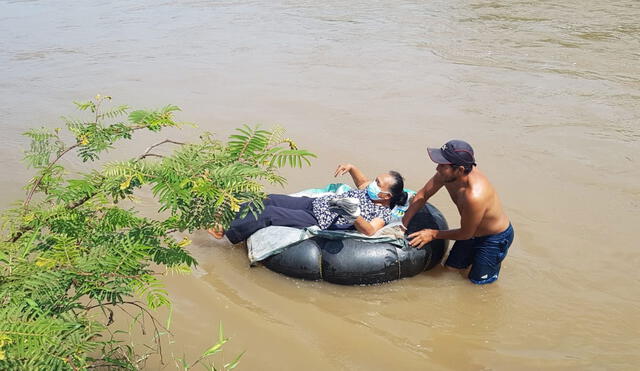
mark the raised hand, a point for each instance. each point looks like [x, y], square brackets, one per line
[343, 169]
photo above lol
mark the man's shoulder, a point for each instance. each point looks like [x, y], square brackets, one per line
[479, 189]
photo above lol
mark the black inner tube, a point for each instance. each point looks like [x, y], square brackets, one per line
[355, 262]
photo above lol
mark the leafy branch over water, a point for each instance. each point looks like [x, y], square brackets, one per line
[71, 256]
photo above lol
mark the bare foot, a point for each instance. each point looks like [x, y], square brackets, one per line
[217, 232]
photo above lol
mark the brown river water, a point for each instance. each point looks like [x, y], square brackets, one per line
[548, 92]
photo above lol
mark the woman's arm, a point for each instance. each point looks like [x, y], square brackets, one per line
[358, 177]
[368, 227]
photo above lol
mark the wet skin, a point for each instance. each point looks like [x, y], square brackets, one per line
[481, 212]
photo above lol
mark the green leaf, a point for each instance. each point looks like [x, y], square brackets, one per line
[231, 365]
[169, 317]
[137, 116]
[216, 348]
[31, 303]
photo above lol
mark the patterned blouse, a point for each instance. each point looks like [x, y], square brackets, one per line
[368, 210]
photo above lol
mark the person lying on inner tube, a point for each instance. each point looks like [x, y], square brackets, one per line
[367, 208]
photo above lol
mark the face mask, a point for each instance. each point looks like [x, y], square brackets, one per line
[373, 190]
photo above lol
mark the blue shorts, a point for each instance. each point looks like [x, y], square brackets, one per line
[484, 254]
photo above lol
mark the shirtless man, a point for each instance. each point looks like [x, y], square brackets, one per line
[485, 232]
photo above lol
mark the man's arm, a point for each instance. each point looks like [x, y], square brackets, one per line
[470, 217]
[359, 179]
[369, 228]
[433, 185]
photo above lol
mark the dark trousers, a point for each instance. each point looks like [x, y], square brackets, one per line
[279, 210]
[484, 254]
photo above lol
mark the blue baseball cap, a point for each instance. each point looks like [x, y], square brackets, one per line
[454, 152]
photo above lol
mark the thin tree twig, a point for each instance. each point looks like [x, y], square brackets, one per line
[146, 152]
[150, 155]
[86, 198]
[157, 326]
[39, 180]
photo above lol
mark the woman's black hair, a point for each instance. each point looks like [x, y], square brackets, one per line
[398, 195]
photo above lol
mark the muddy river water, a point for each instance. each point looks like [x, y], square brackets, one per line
[547, 91]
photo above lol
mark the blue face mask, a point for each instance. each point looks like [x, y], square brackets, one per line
[373, 190]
